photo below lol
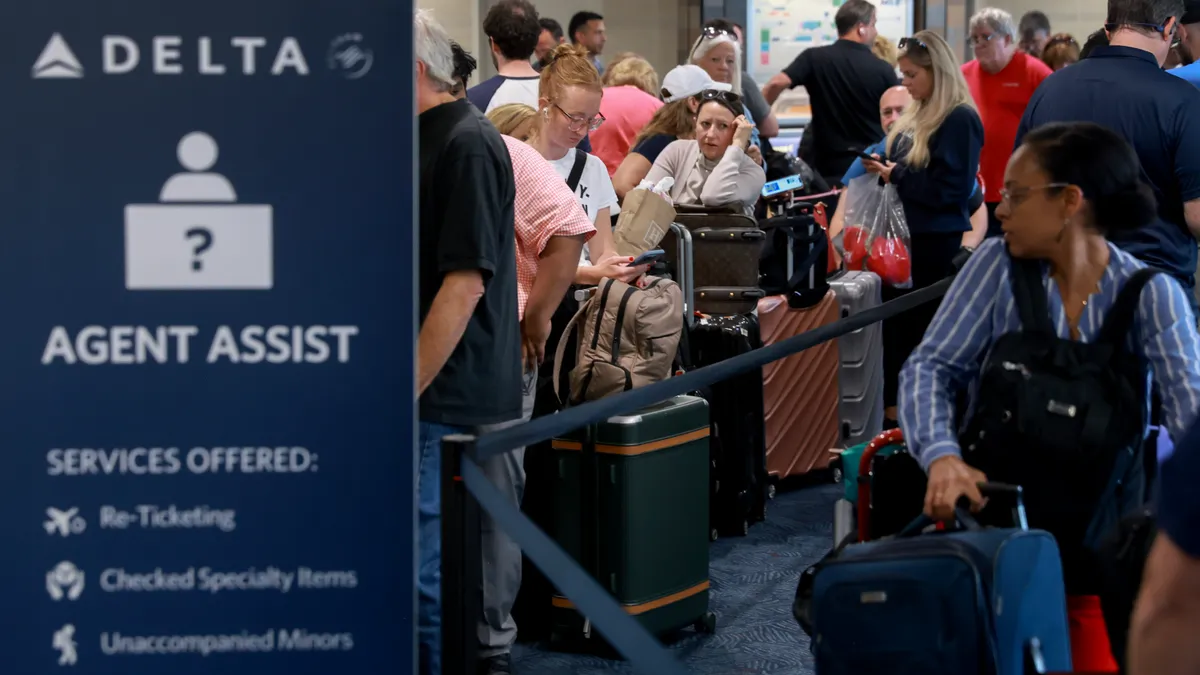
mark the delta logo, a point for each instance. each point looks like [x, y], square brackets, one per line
[347, 55]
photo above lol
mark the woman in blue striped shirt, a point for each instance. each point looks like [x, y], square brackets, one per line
[1066, 188]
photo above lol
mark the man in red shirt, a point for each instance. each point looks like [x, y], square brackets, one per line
[1002, 80]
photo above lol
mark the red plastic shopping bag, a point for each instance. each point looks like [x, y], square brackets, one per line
[876, 237]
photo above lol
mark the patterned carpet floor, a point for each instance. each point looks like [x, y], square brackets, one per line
[753, 584]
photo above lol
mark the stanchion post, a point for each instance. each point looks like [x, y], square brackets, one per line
[462, 561]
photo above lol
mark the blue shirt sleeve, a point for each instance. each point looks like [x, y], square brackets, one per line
[1189, 73]
[1171, 346]
[1167, 338]
[950, 355]
[949, 178]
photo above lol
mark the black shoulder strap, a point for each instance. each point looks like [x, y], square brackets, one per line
[1029, 293]
[1120, 317]
[577, 170]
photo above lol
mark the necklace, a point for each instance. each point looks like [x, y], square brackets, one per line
[1095, 289]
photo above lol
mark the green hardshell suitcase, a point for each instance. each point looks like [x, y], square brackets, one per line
[631, 506]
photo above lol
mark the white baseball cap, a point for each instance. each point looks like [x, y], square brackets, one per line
[684, 81]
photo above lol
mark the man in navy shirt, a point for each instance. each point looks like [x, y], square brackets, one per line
[1123, 87]
[1162, 637]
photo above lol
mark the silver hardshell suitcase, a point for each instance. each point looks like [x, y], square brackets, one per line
[861, 377]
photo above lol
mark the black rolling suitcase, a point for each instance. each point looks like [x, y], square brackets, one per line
[531, 610]
[738, 443]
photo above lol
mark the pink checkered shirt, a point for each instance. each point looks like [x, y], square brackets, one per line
[545, 207]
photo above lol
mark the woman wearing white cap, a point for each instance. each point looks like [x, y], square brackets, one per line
[675, 120]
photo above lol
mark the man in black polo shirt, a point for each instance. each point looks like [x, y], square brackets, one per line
[469, 351]
[1123, 87]
[845, 82]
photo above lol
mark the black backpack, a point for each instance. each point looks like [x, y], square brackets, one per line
[1122, 558]
[1065, 420]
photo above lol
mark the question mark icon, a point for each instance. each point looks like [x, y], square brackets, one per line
[204, 240]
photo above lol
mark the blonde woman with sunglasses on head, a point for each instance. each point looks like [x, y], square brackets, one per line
[719, 52]
[932, 158]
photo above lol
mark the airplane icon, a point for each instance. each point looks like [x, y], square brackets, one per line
[64, 522]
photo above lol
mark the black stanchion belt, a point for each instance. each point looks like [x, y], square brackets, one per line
[568, 420]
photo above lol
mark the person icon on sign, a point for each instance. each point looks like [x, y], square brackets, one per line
[198, 235]
[197, 153]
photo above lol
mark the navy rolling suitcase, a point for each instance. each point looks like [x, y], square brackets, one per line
[973, 600]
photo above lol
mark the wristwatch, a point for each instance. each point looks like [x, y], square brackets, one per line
[961, 257]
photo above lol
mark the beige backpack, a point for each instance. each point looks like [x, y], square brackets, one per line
[627, 338]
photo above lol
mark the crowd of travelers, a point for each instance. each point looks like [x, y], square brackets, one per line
[1079, 164]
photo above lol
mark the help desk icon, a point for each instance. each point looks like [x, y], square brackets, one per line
[198, 236]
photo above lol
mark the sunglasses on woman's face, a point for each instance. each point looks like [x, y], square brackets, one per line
[912, 43]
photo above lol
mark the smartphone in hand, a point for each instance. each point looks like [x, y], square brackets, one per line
[862, 155]
[648, 257]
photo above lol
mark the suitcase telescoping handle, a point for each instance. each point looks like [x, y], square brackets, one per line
[866, 464]
[962, 510]
[683, 264]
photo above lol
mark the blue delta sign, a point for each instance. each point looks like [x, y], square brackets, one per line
[207, 247]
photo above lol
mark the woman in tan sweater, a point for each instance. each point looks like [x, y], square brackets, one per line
[713, 169]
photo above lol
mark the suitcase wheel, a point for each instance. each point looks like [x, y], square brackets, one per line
[707, 624]
[745, 528]
[713, 534]
[771, 491]
[837, 475]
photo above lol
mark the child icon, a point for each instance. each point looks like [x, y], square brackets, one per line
[197, 153]
[64, 642]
